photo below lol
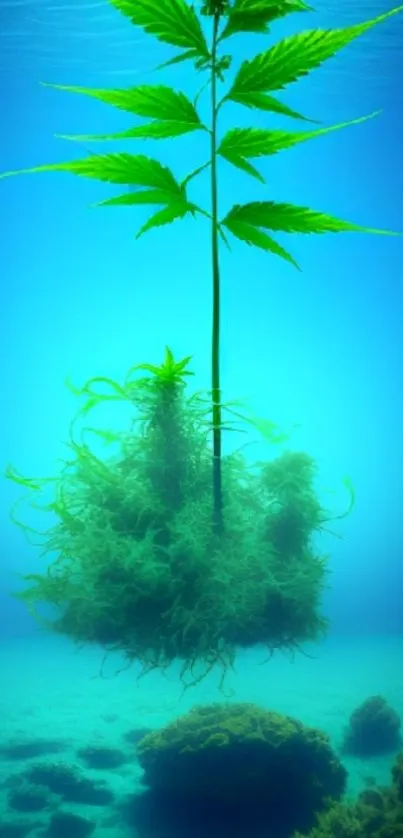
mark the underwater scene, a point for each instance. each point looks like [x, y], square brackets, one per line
[201, 459]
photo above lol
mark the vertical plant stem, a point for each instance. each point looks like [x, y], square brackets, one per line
[215, 343]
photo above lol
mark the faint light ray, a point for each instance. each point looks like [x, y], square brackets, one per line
[79, 7]
[52, 22]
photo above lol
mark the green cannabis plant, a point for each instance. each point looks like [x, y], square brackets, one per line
[201, 37]
[165, 549]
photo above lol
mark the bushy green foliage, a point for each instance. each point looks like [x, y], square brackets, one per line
[378, 813]
[135, 564]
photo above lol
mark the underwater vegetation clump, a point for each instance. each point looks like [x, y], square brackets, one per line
[377, 813]
[135, 564]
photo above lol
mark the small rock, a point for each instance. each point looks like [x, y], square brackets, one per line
[100, 757]
[67, 825]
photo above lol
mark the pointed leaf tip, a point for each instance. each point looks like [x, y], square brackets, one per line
[252, 235]
[172, 212]
[257, 15]
[240, 144]
[170, 21]
[295, 56]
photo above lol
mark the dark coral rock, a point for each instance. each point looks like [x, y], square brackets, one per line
[228, 765]
[397, 774]
[69, 783]
[99, 757]
[134, 735]
[12, 829]
[29, 797]
[374, 728]
[69, 825]
[31, 748]
[372, 797]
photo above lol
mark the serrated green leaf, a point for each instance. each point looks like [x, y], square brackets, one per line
[171, 21]
[167, 215]
[247, 220]
[130, 169]
[156, 101]
[173, 113]
[188, 55]
[293, 219]
[159, 130]
[144, 196]
[156, 130]
[296, 56]
[263, 102]
[257, 142]
[256, 15]
[151, 196]
[240, 163]
[177, 206]
[253, 236]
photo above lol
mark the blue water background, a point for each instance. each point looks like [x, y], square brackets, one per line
[80, 297]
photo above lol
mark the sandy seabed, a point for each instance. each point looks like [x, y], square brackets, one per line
[50, 691]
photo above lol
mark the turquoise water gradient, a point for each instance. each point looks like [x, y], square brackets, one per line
[80, 297]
